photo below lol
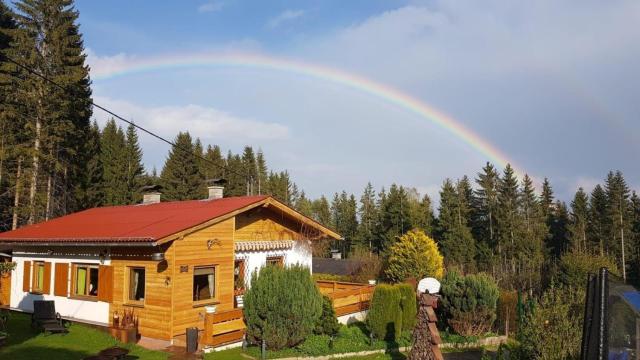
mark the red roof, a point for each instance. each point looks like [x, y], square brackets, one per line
[130, 223]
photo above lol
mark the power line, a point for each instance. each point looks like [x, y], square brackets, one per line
[149, 132]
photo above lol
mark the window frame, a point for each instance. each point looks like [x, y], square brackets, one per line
[127, 294]
[34, 277]
[277, 260]
[215, 298]
[74, 283]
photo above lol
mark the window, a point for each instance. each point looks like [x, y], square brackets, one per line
[85, 282]
[238, 275]
[136, 284]
[38, 276]
[204, 283]
[275, 260]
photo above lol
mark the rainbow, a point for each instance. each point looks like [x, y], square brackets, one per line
[118, 67]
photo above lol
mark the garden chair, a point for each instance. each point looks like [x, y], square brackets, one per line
[45, 317]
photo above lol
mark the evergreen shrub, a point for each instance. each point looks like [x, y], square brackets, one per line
[328, 322]
[282, 306]
[414, 255]
[469, 302]
[384, 319]
[409, 306]
[574, 268]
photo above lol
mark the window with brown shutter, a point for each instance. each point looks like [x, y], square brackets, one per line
[61, 285]
[105, 285]
[38, 276]
[46, 281]
[26, 277]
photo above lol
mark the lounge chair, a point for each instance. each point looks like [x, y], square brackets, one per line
[45, 317]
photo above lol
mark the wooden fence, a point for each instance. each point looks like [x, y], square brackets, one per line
[347, 298]
[224, 327]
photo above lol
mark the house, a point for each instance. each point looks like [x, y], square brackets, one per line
[165, 260]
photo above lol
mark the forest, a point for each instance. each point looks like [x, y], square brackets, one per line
[55, 160]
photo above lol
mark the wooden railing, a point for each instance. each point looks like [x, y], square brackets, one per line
[223, 327]
[347, 298]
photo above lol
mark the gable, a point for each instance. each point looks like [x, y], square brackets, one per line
[263, 223]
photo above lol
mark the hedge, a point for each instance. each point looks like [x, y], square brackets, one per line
[384, 319]
[408, 305]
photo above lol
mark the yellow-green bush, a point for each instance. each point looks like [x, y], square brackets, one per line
[414, 255]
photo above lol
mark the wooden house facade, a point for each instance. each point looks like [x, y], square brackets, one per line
[167, 262]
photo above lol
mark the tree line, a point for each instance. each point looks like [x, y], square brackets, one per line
[495, 223]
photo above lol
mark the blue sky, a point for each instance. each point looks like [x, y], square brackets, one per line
[554, 85]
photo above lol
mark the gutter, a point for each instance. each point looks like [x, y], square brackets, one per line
[90, 244]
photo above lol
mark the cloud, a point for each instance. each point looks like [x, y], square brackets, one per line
[211, 6]
[209, 124]
[283, 17]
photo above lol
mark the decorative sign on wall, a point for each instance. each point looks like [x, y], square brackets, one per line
[184, 268]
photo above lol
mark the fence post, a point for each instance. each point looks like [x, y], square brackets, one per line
[208, 328]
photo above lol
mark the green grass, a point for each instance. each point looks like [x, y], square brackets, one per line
[25, 343]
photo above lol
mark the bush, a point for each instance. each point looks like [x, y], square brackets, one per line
[384, 319]
[282, 306]
[574, 268]
[469, 302]
[414, 255]
[553, 329]
[327, 323]
[409, 306]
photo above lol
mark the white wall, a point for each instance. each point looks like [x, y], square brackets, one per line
[300, 254]
[84, 310]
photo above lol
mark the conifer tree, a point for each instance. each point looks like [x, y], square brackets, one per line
[457, 243]
[484, 215]
[304, 205]
[181, 177]
[321, 210]
[530, 248]
[598, 221]
[394, 221]
[344, 219]
[261, 168]
[250, 169]
[135, 169]
[578, 221]
[618, 209]
[114, 164]
[213, 168]
[234, 174]
[93, 190]
[508, 222]
[368, 214]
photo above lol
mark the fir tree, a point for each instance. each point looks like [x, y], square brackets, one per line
[321, 210]
[458, 245]
[261, 168]
[598, 225]
[618, 209]
[93, 194]
[368, 214]
[304, 205]
[213, 168]
[530, 249]
[508, 223]
[114, 164]
[181, 177]
[484, 215]
[250, 169]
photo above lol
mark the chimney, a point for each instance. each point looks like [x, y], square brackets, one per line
[216, 188]
[151, 194]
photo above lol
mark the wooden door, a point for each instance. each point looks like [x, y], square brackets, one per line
[5, 287]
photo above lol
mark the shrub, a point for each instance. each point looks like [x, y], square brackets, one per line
[282, 306]
[327, 323]
[409, 306]
[553, 329]
[469, 302]
[574, 268]
[414, 255]
[384, 319]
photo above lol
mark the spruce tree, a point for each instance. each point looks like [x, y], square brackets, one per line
[578, 222]
[484, 215]
[559, 229]
[250, 169]
[234, 174]
[261, 168]
[368, 213]
[508, 223]
[114, 164]
[304, 205]
[93, 190]
[135, 169]
[458, 245]
[618, 215]
[321, 210]
[530, 248]
[213, 168]
[181, 177]
[598, 221]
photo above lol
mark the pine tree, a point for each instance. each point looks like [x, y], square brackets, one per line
[368, 213]
[250, 168]
[530, 248]
[135, 169]
[261, 168]
[508, 223]
[578, 222]
[181, 177]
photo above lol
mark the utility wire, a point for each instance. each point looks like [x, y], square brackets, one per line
[70, 92]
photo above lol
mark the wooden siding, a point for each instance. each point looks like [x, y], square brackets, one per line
[193, 251]
[155, 314]
[5, 286]
[263, 224]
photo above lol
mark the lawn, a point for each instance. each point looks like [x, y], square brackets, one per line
[27, 343]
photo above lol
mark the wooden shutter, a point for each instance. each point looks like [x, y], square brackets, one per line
[26, 277]
[61, 286]
[46, 283]
[105, 283]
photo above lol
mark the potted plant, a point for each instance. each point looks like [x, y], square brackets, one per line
[125, 326]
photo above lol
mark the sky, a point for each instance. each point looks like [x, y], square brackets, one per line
[551, 86]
